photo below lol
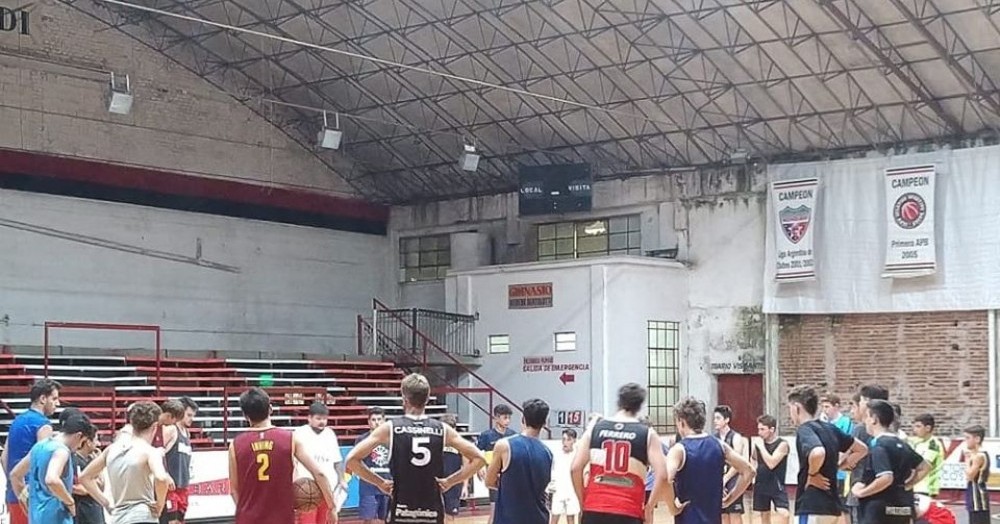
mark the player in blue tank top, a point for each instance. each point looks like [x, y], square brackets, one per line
[521, 470]
[695, 466]
[48, 471]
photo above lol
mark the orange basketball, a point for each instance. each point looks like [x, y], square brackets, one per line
[307, 494]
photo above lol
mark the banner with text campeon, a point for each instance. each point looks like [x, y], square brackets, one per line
[795, 209]
[909, 200]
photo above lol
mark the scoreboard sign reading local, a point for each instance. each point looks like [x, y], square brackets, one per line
[529, 296]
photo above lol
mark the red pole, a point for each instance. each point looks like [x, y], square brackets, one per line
[157, 361]
[46, 345]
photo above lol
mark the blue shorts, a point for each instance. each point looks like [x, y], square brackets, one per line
[373, 507]
[453, 500]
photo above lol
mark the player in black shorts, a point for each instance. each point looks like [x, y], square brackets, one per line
[417, 445]
[771, 455]
[884, 492]
[453, 463]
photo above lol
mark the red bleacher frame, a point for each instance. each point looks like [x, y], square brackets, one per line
[97, 326]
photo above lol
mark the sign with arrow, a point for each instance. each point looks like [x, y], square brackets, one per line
[566, 378]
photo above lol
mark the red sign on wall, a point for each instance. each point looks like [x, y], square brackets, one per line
[529, 296]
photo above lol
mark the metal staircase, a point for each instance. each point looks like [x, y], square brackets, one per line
[437, 344]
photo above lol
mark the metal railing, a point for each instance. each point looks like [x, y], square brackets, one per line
[452, 332]
[420, 349]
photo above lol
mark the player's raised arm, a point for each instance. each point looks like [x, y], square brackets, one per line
[477, 460]
[501, 453]
[580, 461]
[746, 473]
[658, 463]
[356, 458]
[18, 474]
[90, 475]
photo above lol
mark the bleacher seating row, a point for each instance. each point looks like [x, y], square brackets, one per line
[103, 386]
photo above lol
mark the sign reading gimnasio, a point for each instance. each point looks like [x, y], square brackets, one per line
[529, 296]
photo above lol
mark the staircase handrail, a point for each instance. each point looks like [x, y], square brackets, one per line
[425, 369]
[378, 305]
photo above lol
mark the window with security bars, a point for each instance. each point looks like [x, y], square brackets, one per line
[424, 258]
[499, 343]
[663, 346]
[590, 238]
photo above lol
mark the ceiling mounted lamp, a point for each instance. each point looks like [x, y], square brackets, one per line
[469, 160]
[121, 99]
[330, 138]
[739, 156]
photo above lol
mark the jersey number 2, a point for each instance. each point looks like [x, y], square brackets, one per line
[263, 464]
[616, 456]
[421, 453]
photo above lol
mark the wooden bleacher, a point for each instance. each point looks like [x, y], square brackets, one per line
[103, 387]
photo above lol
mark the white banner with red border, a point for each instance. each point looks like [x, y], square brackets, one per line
[794, 208]
[909, 200]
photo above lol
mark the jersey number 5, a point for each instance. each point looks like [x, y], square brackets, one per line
[421, 453]
[263, 464]
[616, 456]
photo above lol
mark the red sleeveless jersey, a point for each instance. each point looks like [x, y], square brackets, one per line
[158, 441]
[618, 464]
[264, 466]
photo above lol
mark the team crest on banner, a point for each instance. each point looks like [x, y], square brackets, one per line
[795, 222]
[795, 205]
[910, 250]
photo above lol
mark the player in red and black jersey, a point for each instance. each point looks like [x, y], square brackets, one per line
[261, 466]
[619, 451]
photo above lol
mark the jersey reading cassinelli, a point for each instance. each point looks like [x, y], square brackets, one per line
[618, 464]
[416, 462]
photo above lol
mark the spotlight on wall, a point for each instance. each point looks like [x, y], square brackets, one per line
[121, 99]
[469, 160]
[329, 138]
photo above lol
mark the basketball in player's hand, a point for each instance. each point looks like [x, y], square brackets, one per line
[307, 494]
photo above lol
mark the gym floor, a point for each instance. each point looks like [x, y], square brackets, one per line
[479, 517]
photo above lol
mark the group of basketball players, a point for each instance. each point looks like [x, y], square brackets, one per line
[859, 469]
[620, 469]
[57, 474]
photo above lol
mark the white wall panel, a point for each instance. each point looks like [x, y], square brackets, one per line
[295, 289]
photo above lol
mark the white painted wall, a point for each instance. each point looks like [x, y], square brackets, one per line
[297, 290]
[850, 228]
[606, 302]
[716, 220]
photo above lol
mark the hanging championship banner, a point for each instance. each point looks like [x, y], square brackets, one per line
[909, 201]
[794, 208]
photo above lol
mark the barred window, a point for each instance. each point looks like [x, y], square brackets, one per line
[424, 258]
[590, 238]
[664, 369]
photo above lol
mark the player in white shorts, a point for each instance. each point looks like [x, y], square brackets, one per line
[563, 496]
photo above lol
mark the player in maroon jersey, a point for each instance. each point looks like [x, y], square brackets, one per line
[261, 466]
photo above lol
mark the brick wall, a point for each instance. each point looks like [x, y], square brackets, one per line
[53, 100]
[931, 362]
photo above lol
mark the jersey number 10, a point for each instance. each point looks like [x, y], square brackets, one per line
[616, 456]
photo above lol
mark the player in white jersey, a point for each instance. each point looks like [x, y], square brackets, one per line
[562, 496]
[321, 442]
